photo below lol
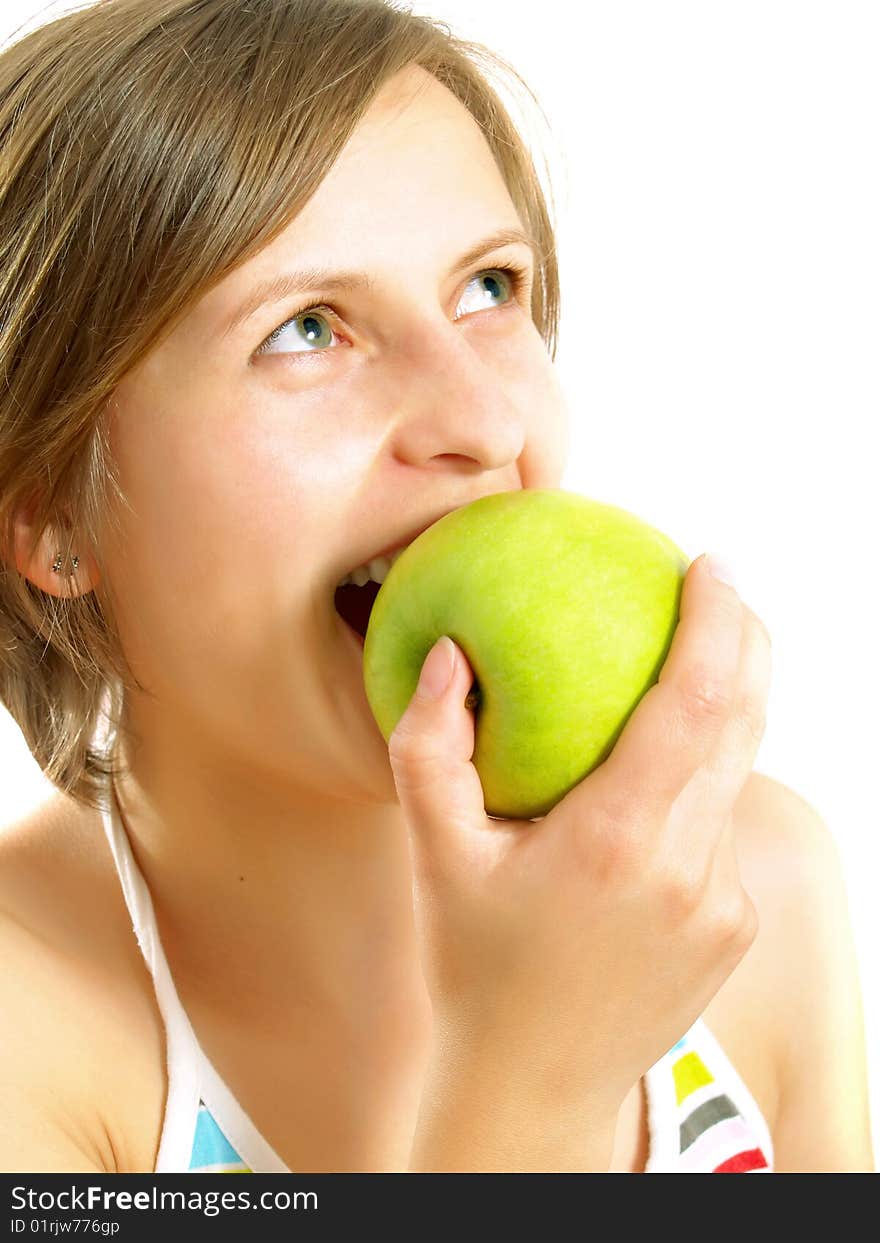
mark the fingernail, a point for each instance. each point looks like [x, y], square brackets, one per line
[720, 569]
[437, 670]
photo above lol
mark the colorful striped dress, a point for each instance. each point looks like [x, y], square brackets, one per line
[701, 1116]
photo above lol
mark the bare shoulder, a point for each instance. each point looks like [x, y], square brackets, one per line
[78, 1028]
[802, 981]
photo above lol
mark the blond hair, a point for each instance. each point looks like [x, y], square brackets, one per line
[148, 148]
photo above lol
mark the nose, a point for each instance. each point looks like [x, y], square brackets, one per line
[454, 402]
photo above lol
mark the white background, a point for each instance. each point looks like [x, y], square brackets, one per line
[715, 167]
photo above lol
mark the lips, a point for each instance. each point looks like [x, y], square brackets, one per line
[402, 541]
[354, 604]
[356, 636]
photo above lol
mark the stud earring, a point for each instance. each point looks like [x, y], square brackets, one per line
[59, 562]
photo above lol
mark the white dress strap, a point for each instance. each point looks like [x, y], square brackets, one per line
[182, 1060]
[192, 1078]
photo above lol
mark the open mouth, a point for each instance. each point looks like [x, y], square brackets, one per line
[356, 592]
[354, 604]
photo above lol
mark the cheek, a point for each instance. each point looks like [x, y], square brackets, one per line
[534, 386]
[218, 551]
[225, 492]
[556, 422]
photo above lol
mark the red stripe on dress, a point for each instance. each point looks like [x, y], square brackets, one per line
[742, 1162]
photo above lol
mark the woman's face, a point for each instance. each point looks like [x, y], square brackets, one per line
[260, 471]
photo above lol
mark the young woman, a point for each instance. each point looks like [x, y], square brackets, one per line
[279, 291]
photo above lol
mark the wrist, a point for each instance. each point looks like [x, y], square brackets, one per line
[478, 1116]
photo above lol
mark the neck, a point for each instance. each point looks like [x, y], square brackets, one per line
[254, 880]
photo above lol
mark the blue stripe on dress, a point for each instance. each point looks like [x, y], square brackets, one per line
[211, 1150]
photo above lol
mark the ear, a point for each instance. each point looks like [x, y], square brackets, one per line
[65, 582]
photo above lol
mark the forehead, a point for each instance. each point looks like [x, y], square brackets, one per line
[415, 183]
[413, 107]
[416, 151]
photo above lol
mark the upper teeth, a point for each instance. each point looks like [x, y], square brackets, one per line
[376, 569]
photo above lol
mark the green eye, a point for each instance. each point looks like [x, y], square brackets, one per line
[491, 286]
[311, 326]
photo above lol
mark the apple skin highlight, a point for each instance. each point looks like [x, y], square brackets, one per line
[565, 608]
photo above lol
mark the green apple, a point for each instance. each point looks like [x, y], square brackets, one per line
[565, 609]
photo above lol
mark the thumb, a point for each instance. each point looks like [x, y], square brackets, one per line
[430, 752]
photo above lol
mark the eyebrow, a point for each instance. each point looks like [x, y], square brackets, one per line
[275, 289]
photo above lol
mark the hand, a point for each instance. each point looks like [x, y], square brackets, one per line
[569, 954]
